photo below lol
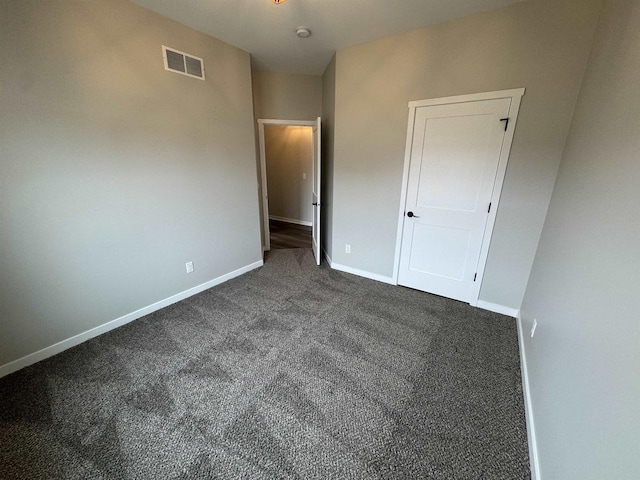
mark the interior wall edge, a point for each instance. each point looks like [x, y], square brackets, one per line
[70, 342]
[295, 221]
[327, 257]
[528, 406]
[363, 273]
[497, 308]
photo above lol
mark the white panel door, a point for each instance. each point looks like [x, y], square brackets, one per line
[317, 251]
[454, 159]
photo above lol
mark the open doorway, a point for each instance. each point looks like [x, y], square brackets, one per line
[290, 183]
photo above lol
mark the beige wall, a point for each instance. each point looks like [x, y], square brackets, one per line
[115, 172]
[287, 96]
[328, 126]
[583, 291]
[289, 159]
[542, 45]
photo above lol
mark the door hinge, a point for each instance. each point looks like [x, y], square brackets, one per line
[489, 210]
[475, 276]
[506, 123]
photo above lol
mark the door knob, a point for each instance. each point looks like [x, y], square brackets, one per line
[315, 204]
[410, 215]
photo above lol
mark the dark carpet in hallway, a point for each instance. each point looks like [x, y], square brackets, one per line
[289, 371]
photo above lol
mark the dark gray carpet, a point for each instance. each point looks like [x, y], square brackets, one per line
[290, 371]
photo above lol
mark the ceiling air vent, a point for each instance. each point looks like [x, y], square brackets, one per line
[183, 63]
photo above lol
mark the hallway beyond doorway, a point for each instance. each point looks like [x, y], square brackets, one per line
[289, 235]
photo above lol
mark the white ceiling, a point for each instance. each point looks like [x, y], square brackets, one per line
[267, 31]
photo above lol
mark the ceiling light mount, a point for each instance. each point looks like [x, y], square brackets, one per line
[278, 2]
[303, 32]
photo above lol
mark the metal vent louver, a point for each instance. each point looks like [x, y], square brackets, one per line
[183, 63]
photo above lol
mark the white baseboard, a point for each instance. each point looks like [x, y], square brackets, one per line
[118, 322]
[363, 273]
[291, 220]
[326, 255]
[494, 307]
[528, 408]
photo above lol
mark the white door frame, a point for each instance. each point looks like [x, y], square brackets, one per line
[316, 192]
[515, 95]
[263, 168]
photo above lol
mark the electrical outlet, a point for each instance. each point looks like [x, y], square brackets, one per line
[189, 266]
[347, 248]
[304, 176]
[533, 328]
